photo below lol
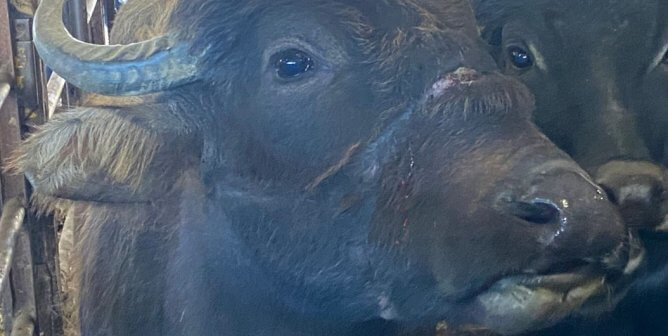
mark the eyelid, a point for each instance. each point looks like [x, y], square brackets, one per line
[509, 43]
[298, 44]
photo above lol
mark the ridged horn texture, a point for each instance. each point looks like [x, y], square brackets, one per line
[116, 70]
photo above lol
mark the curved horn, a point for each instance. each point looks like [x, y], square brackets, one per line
[116, 70]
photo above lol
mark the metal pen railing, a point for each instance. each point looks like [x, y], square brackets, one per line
[30, 298]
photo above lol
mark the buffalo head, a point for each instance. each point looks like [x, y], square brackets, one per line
[599, 72]
[310, 166]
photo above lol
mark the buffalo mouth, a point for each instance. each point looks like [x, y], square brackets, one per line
[528, 301]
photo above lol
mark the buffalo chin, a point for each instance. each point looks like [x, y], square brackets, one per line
[520, 303]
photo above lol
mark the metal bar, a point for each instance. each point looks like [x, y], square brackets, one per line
[7, 103]
[4, 92]
[11, 220]
[90, 8]
[39, 233]
[13, 186]
[45, 274]
[26, 75]
[23, 286]
[109, 12]
[25, 66]
[24, 325]
[6, 310]
[54, 89]
[79, 17]
[40, 114]
[98, 30]
[31, 273]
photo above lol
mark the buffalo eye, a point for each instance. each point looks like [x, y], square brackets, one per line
[665, 58]
[292, 63]
[520, 58]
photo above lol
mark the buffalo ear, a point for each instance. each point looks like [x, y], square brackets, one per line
[108, 154]
[490, 15]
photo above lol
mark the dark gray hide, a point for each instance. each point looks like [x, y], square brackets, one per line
[337, 168]
[599, 71]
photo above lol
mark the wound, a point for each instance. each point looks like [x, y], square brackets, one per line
[461, 76]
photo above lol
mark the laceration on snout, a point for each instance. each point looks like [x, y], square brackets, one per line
[466, 93]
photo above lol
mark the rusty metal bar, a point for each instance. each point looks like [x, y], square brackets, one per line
[12, 186]
[33, 305]
[11, 220]
[29, 293]
[26, 75]
[8, 104]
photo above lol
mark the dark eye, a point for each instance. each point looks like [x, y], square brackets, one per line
[665, 58]
[292, 63]
[520, 58]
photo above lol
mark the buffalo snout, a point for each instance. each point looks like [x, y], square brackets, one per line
[579, 251]
[577, 221]
[505, 187]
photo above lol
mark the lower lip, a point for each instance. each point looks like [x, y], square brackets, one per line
[560, 283]
[522, 303]
[569, 287]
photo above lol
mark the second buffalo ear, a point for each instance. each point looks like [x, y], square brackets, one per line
[489, 26]
[108, 155]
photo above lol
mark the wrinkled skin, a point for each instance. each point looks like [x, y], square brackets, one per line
[397, 182]
[599, 71]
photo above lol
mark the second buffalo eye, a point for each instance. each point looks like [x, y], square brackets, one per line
[520, 58]
[292, 63]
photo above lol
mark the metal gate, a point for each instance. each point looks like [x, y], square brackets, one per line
[30, 298]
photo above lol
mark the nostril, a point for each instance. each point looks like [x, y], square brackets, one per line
[536, 212]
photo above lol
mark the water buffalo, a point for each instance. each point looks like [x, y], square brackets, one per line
[599, 71]
[314, 167]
